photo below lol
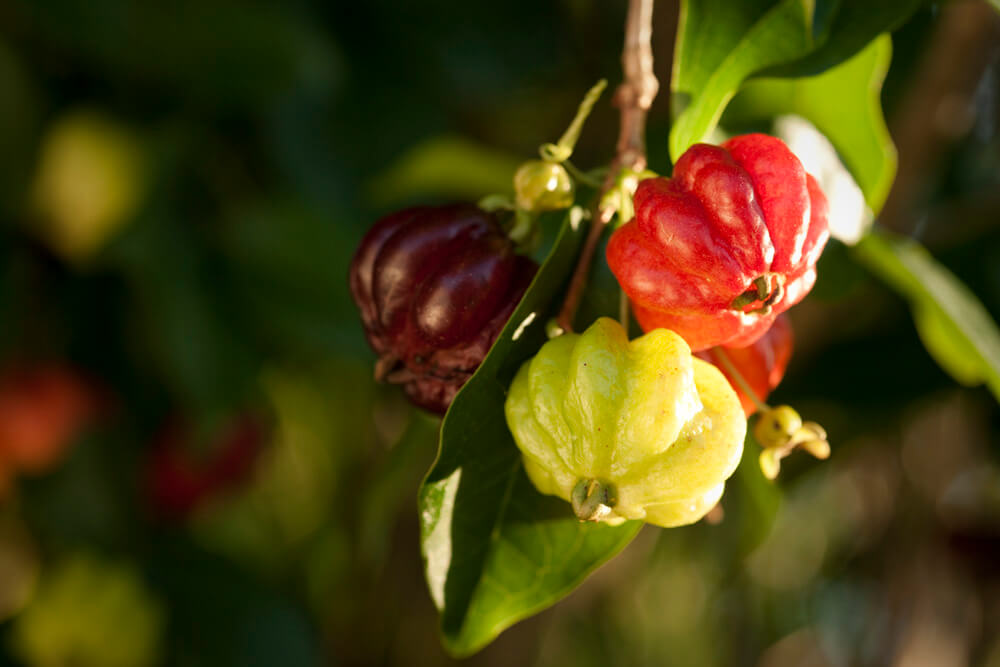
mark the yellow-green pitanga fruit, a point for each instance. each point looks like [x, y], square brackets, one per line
[626, 430]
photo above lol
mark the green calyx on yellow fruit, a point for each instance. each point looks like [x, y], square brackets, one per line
[593, 499]
[540, 185]
[626, 429]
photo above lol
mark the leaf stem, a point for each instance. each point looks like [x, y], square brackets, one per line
[634, 97]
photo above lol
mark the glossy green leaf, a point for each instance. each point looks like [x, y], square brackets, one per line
[721, 44]
[848, 26]
[844, 104]
[495, 549]
[953, 324]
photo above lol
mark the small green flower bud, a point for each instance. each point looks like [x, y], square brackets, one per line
[543, 186]
[776, 426]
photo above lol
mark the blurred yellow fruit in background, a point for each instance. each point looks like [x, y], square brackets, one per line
[89, 182]
[89, 612]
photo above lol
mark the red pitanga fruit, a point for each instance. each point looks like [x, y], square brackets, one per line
[716, 252]
[762, 364]
[435, 285]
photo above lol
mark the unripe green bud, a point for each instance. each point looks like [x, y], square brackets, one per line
[540, 185]
[776, 426]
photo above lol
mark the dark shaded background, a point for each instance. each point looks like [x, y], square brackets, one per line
[262, 140]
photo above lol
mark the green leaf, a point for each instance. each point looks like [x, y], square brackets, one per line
[851, 26]
[844, 104]
[953, 324]
[495, 549]
[444, 167]
[720, 44]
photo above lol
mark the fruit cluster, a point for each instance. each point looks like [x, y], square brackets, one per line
[621, 430]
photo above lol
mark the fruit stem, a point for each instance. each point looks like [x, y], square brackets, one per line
[579, 280]
[581, 176]
[733, 372]
[561, 151]
[524, 225]
[633, 97]
[593, 499]
[623, 309]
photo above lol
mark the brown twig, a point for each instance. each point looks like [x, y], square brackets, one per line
[634, 97]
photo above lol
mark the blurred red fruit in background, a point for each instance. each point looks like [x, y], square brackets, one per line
[42, 409]
[182, 475]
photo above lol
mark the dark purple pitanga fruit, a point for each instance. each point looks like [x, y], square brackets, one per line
[435, 286]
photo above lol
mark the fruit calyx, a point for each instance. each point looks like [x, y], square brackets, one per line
[768, 288]
[593, 500]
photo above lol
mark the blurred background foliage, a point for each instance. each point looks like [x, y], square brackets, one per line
[181, 188]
